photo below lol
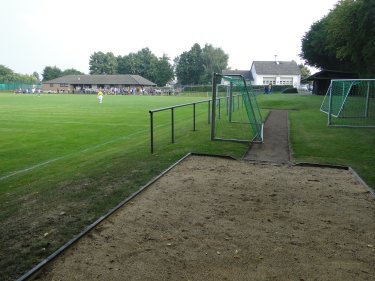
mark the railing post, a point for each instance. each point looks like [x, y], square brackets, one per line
[209, 111]
[172, 117]
[330, 105]
[213, 107]
[367, 99]
[219, 109]
[152, 131]
[230, 101]
[193, 116]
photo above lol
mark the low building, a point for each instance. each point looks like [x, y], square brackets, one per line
[322, 79]
[245, 73]
[276, 73]
[271, 72]
[90, 83]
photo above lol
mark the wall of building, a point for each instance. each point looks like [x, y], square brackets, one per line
[56, 88]
[293, 80]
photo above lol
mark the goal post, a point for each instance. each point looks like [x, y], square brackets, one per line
[350, 103]
[243, 121]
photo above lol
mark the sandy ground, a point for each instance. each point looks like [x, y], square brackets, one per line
[218, 219]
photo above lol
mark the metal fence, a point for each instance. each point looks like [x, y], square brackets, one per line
[193, 105]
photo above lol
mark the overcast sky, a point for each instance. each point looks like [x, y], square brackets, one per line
[64, 33]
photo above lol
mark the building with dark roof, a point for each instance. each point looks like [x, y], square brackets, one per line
[322, 79]
[245, 73]
[81, 83]
[274, 72]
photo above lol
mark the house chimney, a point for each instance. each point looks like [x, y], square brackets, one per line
[276, 59]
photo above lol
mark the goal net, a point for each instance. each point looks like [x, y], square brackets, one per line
[350, 103]
[235, 113]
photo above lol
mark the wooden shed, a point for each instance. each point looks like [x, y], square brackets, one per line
[322, 79]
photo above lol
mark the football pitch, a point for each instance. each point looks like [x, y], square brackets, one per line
[66, 159]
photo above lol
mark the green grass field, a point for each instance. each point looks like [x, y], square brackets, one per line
[65, 160]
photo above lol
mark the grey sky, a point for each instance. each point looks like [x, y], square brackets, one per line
[39, 33]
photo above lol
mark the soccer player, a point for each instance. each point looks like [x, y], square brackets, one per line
[100, 96]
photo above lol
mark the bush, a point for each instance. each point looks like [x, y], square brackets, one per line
[290, 91]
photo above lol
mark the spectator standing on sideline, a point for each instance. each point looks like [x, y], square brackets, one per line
[270, 88]
[100, 96]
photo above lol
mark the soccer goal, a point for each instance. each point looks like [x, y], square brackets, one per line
[350, 103]
[235, 115]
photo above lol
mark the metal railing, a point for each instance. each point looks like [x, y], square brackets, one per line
[172, 109]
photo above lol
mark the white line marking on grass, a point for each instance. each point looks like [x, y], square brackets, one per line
[72, 154]
[31, 168]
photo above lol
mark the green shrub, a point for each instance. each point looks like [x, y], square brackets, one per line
[290, 91]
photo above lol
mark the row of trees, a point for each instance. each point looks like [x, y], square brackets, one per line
[191, 67]
[144, 63]
[197, 65]
[52, 72]
[344, 39]
[8, 76]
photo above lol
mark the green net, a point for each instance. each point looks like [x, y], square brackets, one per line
[237, 113]
[350, 103]
[18, 87]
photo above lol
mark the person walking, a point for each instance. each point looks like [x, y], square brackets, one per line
[100, 96]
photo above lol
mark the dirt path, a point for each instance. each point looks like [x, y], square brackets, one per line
[218, 219]
[276, 140]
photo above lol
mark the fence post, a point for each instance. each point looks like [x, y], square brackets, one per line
[230, 101]
[193, 116]
[152, 131]
[219, 108]
[330, 104]
[213, 107]
[172, 110]
[209, 111]
[367, 99]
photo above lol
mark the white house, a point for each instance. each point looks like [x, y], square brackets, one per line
[275, 72]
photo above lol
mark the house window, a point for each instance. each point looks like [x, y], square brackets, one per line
[51, 85]
[64, 85]
[269, 80]
[286, 81]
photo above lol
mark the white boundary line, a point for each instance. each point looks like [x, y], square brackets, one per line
[71, 154]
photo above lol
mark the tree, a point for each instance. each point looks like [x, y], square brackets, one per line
[343, 40]
[4, 71]
[127, 64]
[164, 71]
[305, 72]
[147, 65]
[50, 73]
[214, 61]
[101, 63]
[189, 66]
[71, 71]
[7, 76]
[351, 31]
[314, 47]
[36, 75]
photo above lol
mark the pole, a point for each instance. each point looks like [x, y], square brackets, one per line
[209, 111]
[152, 131]
[367, 99]
[213, 106]
[230, 101]
[172, 119]
[219, 107]
[330, 105]
[193, 116]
